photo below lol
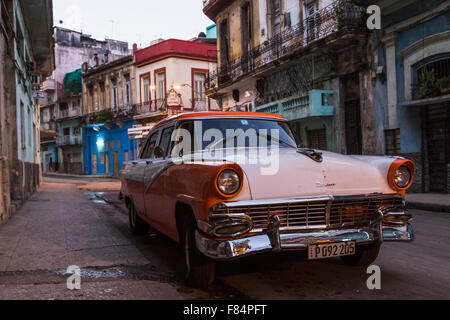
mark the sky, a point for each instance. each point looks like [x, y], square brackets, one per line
[134, 21]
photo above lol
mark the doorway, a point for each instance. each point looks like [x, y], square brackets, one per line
[107, 163]
[116, 163]
[353, 132]
[438, 140]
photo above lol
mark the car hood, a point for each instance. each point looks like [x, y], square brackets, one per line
[292, 174]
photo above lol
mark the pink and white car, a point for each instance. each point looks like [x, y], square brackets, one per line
[324, 203]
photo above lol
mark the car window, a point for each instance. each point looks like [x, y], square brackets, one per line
[189, 127]
[147, 153]
[166, 139]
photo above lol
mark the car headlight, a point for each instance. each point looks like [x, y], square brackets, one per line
[402, 177]
[228, 182]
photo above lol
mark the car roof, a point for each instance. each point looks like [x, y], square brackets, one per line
[220, 114]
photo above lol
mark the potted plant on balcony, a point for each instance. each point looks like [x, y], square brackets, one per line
[338, 13]
[426, 86]
[444, 85]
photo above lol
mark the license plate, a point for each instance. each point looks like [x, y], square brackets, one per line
[331, 250]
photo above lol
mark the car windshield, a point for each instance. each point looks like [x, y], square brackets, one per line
[238, 133]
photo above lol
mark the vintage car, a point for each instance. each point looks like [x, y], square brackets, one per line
[225, 201]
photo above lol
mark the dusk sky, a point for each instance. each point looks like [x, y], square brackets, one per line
[135, 21]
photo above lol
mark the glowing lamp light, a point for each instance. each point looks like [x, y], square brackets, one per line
[100, 143]
[176, 87]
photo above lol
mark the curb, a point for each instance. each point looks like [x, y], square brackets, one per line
[79, 176]
[428, 206]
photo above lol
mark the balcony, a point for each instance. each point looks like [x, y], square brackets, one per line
[49, 85]
[69, 141]
[49, 126]
[339, 19]
[314, 105]
[212, 7]
[199, 104]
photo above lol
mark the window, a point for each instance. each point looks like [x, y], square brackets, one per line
[106, 145]
[146, 88]
[317, 139]
[111, 145]
[128, 94]
[166, 139]
[147, 152]
[246, 29]
[161, 85]
[392, 142]
[102, 158]
[199, 86]
[118, 144]
[311, 20]
[115, 95]
[224, 44]
[126, 157]
[76, 131]
[275, 6]
[431, 69]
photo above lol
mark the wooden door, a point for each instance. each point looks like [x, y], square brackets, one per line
[438, 138]
[116, 163]
[94, 163]
[106, 163]
[353, 131]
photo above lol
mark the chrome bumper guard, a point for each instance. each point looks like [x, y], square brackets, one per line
[392, 224]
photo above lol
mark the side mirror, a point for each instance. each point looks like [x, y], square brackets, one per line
[159, 152]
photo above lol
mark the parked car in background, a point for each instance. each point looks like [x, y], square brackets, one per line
[225, 201]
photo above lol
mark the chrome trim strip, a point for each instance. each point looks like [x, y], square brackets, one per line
[305, 199]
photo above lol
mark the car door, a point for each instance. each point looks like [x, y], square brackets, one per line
[155, 183]
[136, 177]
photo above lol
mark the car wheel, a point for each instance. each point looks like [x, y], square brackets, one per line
[199, 271]
[137, 225]
[365, 255]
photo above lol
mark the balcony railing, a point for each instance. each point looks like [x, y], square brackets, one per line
[154, 106]
[199, 104]
[338, 15]
[69, 141]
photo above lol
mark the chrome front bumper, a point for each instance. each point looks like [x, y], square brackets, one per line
[391, 225]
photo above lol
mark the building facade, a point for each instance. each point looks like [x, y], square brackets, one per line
[26, 48]
[172, 68]
[307, 60]
[109, 95]
[413, 86]
[62, 108]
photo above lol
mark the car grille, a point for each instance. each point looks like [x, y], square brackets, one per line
[321, 214]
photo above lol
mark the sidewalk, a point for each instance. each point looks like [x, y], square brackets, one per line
[65, 175]
[436, 202]
[59, 227]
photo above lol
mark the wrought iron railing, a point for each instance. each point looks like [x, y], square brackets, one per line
[341, 14]
[157, 105]
[69, 141]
